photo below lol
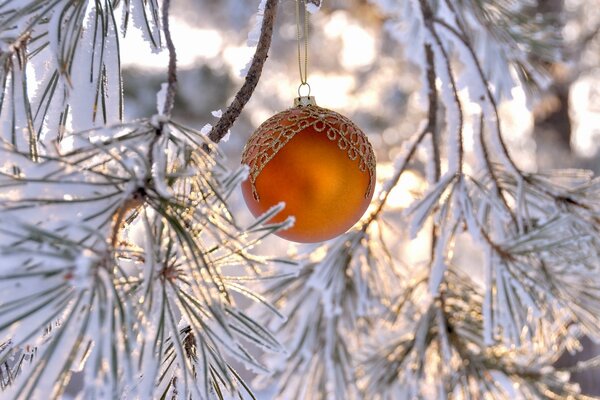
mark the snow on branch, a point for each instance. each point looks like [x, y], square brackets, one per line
[536, 234]
[125, 256]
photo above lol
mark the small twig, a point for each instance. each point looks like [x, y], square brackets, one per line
[410, 152]
[433, 129]
[490, 169]
[586, 365]
[429, 19]
[234, 110]
[432, 125]
[172, 69]
[495, 247]
[462, 36]
[490, 96]
[430, 128]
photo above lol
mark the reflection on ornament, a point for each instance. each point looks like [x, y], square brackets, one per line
[316, 161]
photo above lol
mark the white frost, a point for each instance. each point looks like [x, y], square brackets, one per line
[206, 129]
[161, 98]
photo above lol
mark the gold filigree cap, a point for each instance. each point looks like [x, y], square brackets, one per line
[303, 101]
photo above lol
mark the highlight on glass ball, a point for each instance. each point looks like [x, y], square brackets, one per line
[316, 161]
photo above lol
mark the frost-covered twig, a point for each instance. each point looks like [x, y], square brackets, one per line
[220, 129]
[485, 83]
[432, 118]
[456, 143]
[431, 128]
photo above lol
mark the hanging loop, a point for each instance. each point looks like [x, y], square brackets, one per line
[304, 87]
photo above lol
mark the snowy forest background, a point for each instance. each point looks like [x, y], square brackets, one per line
[451, 287]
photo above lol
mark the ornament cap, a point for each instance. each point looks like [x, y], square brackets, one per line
[304, 101]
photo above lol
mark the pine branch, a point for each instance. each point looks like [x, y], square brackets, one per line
[122, 257]
[170, 270]
[220, 129]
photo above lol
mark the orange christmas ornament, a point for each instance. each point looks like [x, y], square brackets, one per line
[316, 161]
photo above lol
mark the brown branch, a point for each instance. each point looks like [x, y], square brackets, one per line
[243, 95]
[433, 129]
[432, 125]
[172, 69]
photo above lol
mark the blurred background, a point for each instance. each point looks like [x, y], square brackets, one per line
[357, 68]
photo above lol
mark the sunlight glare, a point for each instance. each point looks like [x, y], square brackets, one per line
[358, 44]
[585, 110]
[137, 52]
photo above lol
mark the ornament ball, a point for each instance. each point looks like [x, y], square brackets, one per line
[316, 161]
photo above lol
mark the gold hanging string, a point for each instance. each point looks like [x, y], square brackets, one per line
[303, 71]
